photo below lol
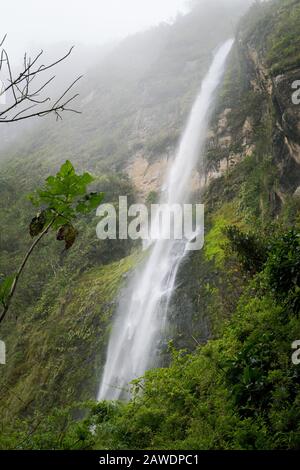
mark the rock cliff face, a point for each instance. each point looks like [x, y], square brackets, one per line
[252, 164]
[134, 105]
[234, 130]
[147, 176]
[287, 131]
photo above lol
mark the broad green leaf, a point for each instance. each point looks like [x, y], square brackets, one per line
[51, 180]
[66, 169]
[64, 195]
[86, 178]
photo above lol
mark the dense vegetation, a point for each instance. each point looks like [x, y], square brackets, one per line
[63, 305]
[240, 391]
[237, 302]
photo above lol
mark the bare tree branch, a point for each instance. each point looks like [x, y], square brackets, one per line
[3, 40]
[21, 96]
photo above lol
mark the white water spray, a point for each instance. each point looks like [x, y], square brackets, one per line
[142, 314]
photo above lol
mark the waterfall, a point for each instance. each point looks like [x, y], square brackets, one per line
[142, 314]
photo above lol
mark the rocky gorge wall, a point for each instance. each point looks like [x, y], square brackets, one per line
[251, 170]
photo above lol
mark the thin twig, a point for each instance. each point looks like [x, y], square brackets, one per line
[22, 94]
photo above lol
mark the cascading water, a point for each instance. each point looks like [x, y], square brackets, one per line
[142, 314]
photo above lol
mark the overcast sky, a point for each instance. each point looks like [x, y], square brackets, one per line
[33, 22]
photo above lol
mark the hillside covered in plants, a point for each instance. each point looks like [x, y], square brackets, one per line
[227, 379]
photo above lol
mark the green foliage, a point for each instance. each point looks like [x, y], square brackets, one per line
[284, 42]
[152, 198]
[63, 197]
[215, 239]
[283, 269]
[58, 331]
[238, 392]
[57, 431]
[255, 194]
[251, 250]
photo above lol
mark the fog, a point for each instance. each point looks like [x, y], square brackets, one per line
[32, 23]
[96, 26]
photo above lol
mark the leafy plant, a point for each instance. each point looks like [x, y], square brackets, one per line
[283, 269]
[63, 198]
[250, 250]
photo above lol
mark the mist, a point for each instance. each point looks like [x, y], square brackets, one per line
[94, 22]
[111, 41]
